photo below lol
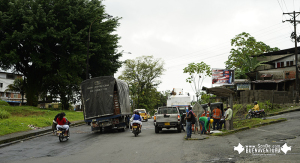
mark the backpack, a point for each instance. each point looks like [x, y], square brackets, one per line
[193, 119]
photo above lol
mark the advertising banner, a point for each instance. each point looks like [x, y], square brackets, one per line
[222, 76]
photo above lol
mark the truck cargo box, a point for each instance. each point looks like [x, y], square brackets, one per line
[105, 96]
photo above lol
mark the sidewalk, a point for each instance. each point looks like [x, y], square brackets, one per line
[12, 138]
[197, 136]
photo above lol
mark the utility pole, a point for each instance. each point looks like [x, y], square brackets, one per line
[294, 21]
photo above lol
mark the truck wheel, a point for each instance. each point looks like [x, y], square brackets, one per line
[156, 129]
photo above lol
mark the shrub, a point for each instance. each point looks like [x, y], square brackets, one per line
[239, 109]
[249, 106]
[4, 103]
[4, 114]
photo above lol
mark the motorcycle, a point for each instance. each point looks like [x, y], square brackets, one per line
[136, 129]
[256, 114]
[62, 134]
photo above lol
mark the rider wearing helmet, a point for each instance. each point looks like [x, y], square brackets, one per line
[256, 106]
[137, 118]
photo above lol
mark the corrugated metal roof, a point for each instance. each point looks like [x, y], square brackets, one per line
[266, 75]
[271, 81]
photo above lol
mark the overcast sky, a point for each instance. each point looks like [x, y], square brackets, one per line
[185, 31]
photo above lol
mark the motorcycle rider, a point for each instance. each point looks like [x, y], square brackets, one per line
[137, 119]
[63, 122]
[256, 106]
[55, 123]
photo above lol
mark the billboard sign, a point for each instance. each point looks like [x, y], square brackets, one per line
[222, 76]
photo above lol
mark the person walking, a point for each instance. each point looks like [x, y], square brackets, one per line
[216, 116]
[188, 119]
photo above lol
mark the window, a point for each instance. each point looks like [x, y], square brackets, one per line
[1, 85]
[10, 76]
[289, 63]
[168, 111]
[15, 95]
[280, 64]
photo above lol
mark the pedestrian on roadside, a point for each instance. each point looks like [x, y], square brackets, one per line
[204, 121]
[216, 116]
[181, 119]
[188, 119]
[228, 118]
[208, 109]
[222, 120]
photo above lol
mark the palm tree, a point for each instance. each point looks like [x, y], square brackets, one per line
[251, 63]
[17, 86]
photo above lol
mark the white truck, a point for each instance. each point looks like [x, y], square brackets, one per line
[180, 100]
[167, 117]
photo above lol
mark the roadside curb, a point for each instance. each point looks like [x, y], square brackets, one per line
[246, 128]
[32, 134]
[196, 138]
[282, 112]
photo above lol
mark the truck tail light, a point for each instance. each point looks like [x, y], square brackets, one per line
[154, 118]
[178, 117]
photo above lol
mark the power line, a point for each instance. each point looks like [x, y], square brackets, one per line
[198, 53]
[285, 5]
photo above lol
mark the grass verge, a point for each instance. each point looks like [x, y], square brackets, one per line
[240, 125]
[22, 116]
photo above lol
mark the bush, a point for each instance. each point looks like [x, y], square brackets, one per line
[4, 114]
[4, 103]
[239, 109]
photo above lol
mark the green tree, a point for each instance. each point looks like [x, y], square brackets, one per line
[197, 73]
[142, 75]
[250, 63]
[17, 86]
[47, 42]
[205, 98]
[242, 57]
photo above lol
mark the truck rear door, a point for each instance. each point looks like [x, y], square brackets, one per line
[168, 114]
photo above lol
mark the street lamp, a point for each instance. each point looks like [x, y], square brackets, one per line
[88, 46]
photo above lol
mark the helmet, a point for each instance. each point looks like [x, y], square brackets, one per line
[211, 120]
[63, 113]
[255, 102]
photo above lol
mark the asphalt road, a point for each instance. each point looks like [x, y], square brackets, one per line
[167, 146]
